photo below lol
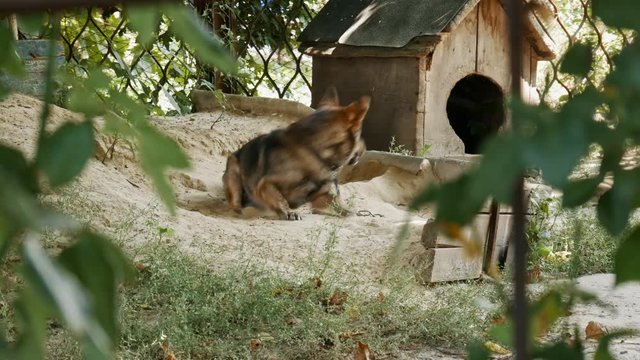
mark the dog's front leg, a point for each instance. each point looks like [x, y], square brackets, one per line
[232, 181]
[268, 195]
[327, 201]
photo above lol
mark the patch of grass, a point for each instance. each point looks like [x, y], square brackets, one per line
[318, 313]
[206, 314]
[396, 148]
[569, 243]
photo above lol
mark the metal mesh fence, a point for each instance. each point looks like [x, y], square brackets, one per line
[573, 22]
[262, 35]
[160, 75]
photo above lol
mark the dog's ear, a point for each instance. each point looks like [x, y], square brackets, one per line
[357, 110]
[330, 98]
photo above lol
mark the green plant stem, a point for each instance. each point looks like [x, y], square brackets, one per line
[49, 85]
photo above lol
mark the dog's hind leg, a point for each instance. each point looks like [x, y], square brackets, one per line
[268, 195]
[232, 182]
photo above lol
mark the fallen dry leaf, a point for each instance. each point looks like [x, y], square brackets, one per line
[496, 349]
[381, 296]
[595, 330]
[534, 275]
[362, 352]
[255, 344]
[140, 266]
[166, 351]
[472, 245]
[13, 258]
[338, 298]
[498, 320]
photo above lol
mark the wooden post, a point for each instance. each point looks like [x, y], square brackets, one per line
[219, 21]
[13, 25]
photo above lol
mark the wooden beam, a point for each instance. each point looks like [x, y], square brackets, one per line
[30, 6]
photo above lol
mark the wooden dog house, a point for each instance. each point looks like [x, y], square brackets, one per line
[436, 70]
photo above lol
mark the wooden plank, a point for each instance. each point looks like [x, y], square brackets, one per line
[418, 47]
[392, 83]
[476, 231]
[493, 44]
[420, 106]
[462, 14]
[453, 59]
[451, 264]
[503, 235]
[27, 6]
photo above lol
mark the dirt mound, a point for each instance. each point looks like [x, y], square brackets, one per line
[203, 223]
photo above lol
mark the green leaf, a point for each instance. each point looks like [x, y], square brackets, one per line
[561, 140]
[158, 153]
[602, 352]
[65, 153]
[560, 351]
[626, 264]
[31, 317]
[23, 210]
[189, 28]
[115, 124]
[145, 21]
[60, 291]
[427, 196]
[616, 204]
[85, 101]
[9, 61]
[477, 351]
[545, 311]
[455, 203]
[498, 169]
[502, 334]
[579, 192]
[577, 60]
[101, 267]
[4, 91]
[13, 162]
[626, 77]
[33, 24]
[618, 13]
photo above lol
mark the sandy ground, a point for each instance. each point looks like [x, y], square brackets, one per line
[204, 226]
[623, 312]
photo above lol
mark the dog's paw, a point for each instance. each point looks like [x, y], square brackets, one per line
[291, 215]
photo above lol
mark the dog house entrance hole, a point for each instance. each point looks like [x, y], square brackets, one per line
[475, 110]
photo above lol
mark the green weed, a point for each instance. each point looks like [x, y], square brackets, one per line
[250, 311]
[569, 243]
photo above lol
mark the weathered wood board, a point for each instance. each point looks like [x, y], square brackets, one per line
[451, 264]
[394, 85]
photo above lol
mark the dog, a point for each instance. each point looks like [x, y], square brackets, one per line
[287, 168]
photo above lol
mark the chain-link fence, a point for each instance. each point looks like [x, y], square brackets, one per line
[160, 75]
[572, 22]
[262, 35]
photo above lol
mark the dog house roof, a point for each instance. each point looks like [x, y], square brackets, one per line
[394, 23]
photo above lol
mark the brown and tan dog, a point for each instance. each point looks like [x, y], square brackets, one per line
[290, 167]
